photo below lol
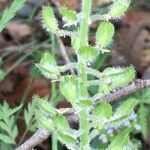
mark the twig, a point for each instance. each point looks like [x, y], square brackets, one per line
[43, 134]
[38, 137]
[131, 88]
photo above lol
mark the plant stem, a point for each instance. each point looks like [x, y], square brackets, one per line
[54, 142]
[84, 29]
[82, 79]
[54, 93]
[82, 70]
[84, 130]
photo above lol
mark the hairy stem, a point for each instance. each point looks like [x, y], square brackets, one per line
[82, 79]
[84, 29]
[84, 130]
[82, 67]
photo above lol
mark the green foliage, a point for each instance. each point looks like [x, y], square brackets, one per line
[84, 103]
[48, 66]
[122, 141]
[119, 8]
[88, 53]
[113, 78]
[104, 34]
[43, 120]
[143, 120]
[8, 127]
[103, 115]
[66, 138]
[68, 87]
[2, 75]
[49, 20]
[64, 122]
[31, 123]
[68, 15]
[93, 119]
[10, 12]
[143, 111]
[102, 110]
[125, 109]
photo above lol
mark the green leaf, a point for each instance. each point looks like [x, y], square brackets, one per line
[125, 109]
[6, 111]
[75, 41]
[68, 15]
[6, 139]
[66, 137]
[68, 87]
[43, 120]
[113, 78]
[46, 106]
[15, 132]
[49, 20]
[2, 75]
[28, 114]
[15, 110]
[10, 12]
[48, 66]
[104, 34]
[8, 126]
[102, 110]
[119, 8]
[61, 122]
[88, 53]
[119, 142]
[143, 119]
[84, 103]
[144, 97]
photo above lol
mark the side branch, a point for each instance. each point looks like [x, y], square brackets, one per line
[131, 88]
[42, 134]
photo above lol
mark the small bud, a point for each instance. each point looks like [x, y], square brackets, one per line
[137, 127]
[110, 131]
[103, 138]
[127, 123]
[133, 116]
[106, 127]
[116, 127]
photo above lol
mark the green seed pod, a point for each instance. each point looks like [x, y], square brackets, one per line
[75, 41]
[88, 53]
[67, 14]
[68, 87]
[102, 110]
[48, 66]
[44, 121]
[104, 34]
[113, 78]
[125, 109]
[61, 122]
[46, 106]
[85, 103]
[119, 8]
[66, 137]
[49, 21]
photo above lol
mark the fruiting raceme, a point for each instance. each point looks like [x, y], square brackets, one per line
[113, 78]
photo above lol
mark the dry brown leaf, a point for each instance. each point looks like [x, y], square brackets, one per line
[18, 32]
